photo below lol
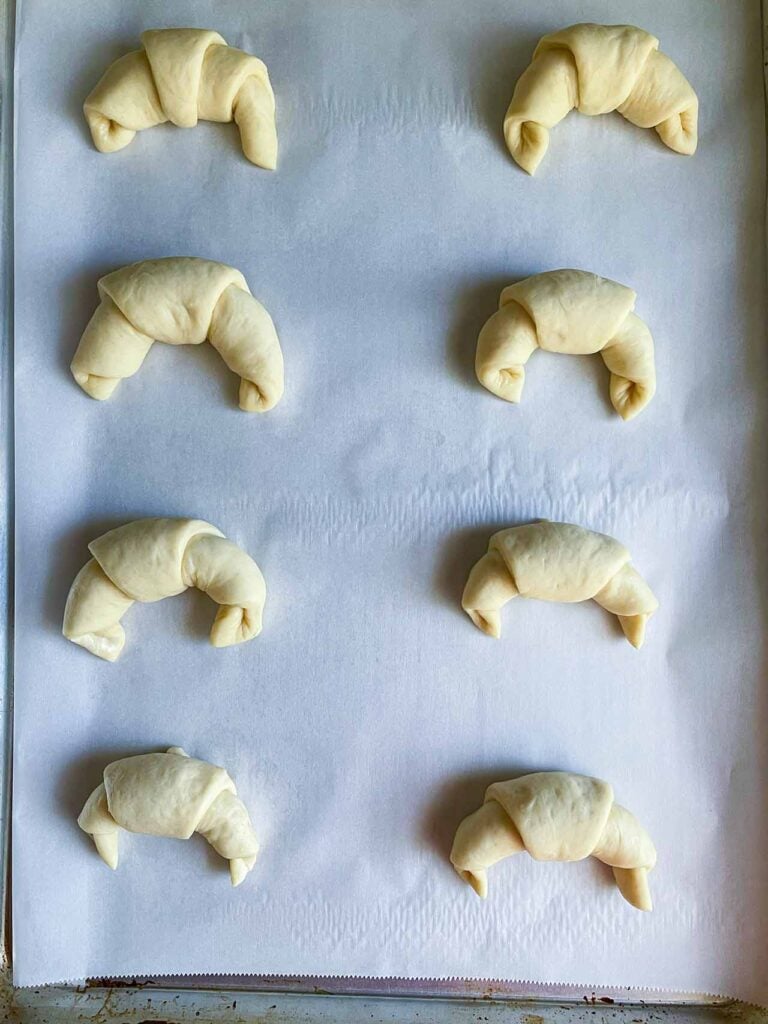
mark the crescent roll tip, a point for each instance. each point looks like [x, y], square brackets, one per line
[108, 136]
[107, 646]
[633, 627]
[99, 388]
[239, 868]
[108, 849]
[680, 132]
[633, 885]
[629, 398]
[237, 871]
[258, 131]
[527, 143]
[486, 620]
[234, 626]
[262, 397]
[478, 880]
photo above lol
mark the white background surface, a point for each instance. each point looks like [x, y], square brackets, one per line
[370, 715]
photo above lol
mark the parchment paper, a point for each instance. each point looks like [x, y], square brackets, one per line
[369, 717]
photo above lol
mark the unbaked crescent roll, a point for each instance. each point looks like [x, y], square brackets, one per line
[596, 69]
[172, 795]
[182, 75]
[577, 313]
[555, 816]
[150, 559]
[180, 300]
[558, 562]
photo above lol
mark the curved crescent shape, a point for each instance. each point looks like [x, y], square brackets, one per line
[577, 313]
[180, 300]
[555, 816]
[173, 795]
[183, 74]
[150, 559]
[558, 562]
[596, 69]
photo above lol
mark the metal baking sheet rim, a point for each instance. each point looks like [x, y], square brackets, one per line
[71, 995]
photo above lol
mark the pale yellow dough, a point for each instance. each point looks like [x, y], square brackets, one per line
[180, 300]
[576, 313]
[555, 816]
[150, 559]
[173, 795]
[558, 562]
[180, 75]
[596, 69]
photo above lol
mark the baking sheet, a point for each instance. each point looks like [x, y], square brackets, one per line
[370, 715]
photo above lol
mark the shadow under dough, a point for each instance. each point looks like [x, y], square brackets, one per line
[89, 67]
[76, 304]
[69, 553]
[455, 799]
[474, 305]
[79, 780]
[499, 61]
[458, 553]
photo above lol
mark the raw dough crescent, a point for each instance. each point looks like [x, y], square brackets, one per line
[577, 313]
[596, 69]
[150, 559]
[555, 816]
[558, 562]
[173, 795]
[183, 74]
[180, 300]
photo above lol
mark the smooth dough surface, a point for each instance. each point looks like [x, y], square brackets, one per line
[576, 312]
[145, 558]
[180, 300]
[559, 816]
[180, 75]
[559, 561]
[596, 69]
[162, 794]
